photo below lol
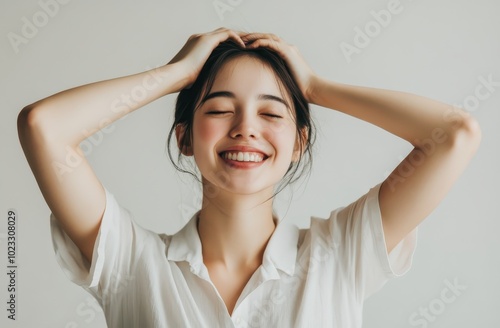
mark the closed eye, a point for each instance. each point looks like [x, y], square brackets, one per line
[272, 115]
[217, 112]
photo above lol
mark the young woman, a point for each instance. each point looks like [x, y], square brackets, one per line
[242, 115]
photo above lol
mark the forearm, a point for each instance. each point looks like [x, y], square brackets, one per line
[72, 115]
[411, 117]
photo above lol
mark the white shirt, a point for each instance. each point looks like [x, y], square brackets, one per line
[316, 277]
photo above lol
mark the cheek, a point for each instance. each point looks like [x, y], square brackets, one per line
[282, 133]
[281, 127]
[205, 131]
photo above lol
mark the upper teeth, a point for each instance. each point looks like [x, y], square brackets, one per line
[243, 157]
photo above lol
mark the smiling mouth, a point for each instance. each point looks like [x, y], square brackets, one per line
[241, 156]
[243, 159]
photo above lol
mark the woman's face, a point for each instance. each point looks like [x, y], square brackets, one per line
[244, 134]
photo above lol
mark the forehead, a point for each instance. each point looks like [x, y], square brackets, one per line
[248, 76]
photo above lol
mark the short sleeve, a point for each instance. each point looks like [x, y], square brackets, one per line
[358, 238]
[118, 245]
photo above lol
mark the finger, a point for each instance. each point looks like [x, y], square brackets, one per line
[268, 43]
[254, 36]
[272, 45]
[235, 36]
[261, 36]
[228, 29]
[226, 33]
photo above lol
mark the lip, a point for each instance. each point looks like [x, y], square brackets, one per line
[241, 165]
[244, 149]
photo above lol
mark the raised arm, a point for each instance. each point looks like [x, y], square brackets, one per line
[445, 138]
[443, 146]
[50, 131]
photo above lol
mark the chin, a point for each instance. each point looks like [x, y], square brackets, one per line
[211, 190]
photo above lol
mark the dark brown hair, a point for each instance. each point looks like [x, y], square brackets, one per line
[188, 101]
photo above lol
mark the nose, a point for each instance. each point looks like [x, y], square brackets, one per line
[244, 126]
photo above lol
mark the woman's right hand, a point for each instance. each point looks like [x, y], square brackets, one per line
[50, 135]
[110, 100]
[198, 48]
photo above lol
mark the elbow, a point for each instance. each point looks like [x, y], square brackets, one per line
[467, 133]
[24, 120]
[471, 129]
[27, 118]
[28, 121]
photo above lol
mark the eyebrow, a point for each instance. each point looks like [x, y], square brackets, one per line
[229, 94]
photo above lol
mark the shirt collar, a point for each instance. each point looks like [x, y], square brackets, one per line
[280, 253]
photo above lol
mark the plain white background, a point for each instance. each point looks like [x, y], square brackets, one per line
[438, 49]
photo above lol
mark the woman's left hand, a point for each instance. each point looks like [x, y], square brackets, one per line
[301, 71]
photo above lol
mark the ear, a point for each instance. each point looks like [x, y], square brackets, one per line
[299, 148]
[187, 150]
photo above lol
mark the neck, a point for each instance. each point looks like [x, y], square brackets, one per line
[234, 230]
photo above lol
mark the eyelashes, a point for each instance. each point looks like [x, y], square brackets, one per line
[273, 115]
[220, 113]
